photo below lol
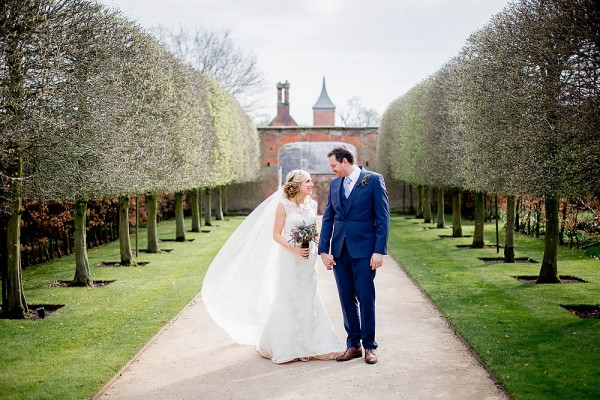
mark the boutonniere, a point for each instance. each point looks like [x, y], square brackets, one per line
[365, 180]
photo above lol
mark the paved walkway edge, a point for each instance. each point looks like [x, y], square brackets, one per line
[451, 326]
[154, 338]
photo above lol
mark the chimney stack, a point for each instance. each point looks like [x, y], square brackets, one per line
[283, 117]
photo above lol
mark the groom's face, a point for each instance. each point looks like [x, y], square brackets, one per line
[340, 169]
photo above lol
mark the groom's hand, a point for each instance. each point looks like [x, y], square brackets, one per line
[327, 260]
[376, 261]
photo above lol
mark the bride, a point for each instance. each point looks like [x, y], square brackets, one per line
[261, 288]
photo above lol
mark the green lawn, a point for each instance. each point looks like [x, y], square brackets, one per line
[74, 352]
[535, 348]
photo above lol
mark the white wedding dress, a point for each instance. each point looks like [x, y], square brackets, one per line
[264, 295]
[298, 325]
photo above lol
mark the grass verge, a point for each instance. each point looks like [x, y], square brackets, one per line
[73, 352]
[534, 347]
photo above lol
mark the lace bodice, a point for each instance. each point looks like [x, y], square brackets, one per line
[305, 214]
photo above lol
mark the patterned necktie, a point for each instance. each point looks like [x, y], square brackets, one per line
[347, 182]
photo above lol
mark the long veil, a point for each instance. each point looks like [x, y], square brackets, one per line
[239, 287]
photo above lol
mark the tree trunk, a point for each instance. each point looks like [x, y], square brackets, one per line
[497, 218]
[124, 241]
[195, 210]
[225, 201]
[179, 219]
[403, 197]
[561, 234]
[16, 306]
[419, 202]
[151, 204]
[549, 270]
[517, 220]
[83, 273]
[208, 207]
[478, 241]
[509, 245]
[411, 207]
[456, 213]
[538, 218]
[440, 208]
[219, 210]
[426, 205]
[4, 261]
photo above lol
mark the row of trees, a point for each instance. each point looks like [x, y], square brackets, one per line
[93, 107]
[516, 112]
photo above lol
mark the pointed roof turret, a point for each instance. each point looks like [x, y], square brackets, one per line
[324, 102]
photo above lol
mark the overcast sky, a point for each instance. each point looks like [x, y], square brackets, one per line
[373, 49]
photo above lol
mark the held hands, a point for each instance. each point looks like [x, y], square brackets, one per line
[328, 261]
[376, 261]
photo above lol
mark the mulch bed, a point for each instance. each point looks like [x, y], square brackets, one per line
[454, 237]
[40, 311]
[584, 311]
[532, 279]
[161, 250]
[485, 246]
[496, 260]
[118, 264]
[98, 283]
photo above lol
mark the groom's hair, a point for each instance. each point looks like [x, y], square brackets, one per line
[340, 153]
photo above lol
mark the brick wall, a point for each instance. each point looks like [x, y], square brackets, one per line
[245, 197]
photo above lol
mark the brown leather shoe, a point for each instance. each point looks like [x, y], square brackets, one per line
[370, 357]
[350, 353]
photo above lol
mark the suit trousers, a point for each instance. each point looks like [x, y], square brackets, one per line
[356, 289]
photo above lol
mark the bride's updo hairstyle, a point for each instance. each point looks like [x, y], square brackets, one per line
[294, 178]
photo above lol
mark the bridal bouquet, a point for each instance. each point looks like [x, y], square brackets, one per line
[304, 234]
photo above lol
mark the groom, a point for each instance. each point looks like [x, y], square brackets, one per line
[353, 241]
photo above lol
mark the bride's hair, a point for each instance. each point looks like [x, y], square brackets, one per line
[294, 178]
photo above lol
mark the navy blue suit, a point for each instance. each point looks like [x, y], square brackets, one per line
[353, 229]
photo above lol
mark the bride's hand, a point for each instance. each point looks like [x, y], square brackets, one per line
[304, 252]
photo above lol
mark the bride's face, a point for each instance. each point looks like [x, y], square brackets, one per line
[306, 186]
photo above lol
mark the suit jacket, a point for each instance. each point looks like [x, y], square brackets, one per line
[362, 220]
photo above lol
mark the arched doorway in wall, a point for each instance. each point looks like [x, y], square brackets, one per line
[309, 156]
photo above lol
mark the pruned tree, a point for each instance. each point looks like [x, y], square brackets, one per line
[27, 49]
[530, 84]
